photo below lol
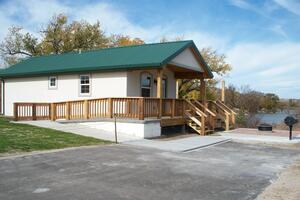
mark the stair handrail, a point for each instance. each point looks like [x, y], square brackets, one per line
[193, 118]
[205, 108]
[199, 112]
[225, 106]
[222, 108]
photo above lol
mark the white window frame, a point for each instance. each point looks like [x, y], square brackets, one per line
[89, 84]
[141, 86]
[51, 87]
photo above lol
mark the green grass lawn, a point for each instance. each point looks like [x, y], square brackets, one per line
[24, 138]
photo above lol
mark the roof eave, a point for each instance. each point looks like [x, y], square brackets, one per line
[70, 71]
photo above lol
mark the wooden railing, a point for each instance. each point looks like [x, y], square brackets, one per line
[224, 112]
[31, 111]
[131, 107]
[211, 116]
[196, 116]
[233, 114]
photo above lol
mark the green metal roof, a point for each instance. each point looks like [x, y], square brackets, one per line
[120, 58]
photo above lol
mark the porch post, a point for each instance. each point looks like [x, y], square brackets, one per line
[159, 90]
[223, 92]
[202, 91]
[177, 88]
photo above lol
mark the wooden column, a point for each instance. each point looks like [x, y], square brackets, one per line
[159, 90]
[227, 122]
[202, 125]
[173, 108]
[202, 91]
[33, 111]
[86, 109]
[53, 112]
[233, 119]
[177, 88]
[68, 110]
[16, 111]
[223, 92]
[110, 107]
[159, 83]
[141, 103]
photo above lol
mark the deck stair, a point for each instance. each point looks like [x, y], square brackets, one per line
[225, 116]
[210, 120]
[197, 119]
[216, 116]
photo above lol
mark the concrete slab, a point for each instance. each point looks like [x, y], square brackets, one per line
[81, 130]
[180, 145]
[235, 135]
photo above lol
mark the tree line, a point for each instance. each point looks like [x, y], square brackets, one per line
[59, 36]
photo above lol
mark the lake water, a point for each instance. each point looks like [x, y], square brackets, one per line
[273, 118]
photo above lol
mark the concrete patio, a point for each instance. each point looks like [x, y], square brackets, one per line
[178, 145]
[276, 136]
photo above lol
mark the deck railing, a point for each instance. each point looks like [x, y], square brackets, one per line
[126, 107]
[31, 111]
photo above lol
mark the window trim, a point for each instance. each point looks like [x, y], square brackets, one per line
[151, 82]
[49, 83]
[90, 85]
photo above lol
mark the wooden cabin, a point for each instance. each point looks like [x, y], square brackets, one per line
[138, 84]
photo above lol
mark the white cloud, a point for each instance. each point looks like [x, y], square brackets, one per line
[267, 67]
[241, 4]
[247, 6]
[291, 5]
[115, 21]
[31, 15]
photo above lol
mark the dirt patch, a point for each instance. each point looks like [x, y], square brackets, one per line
[286, 187]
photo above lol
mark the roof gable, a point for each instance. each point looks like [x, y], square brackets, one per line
[186, 59]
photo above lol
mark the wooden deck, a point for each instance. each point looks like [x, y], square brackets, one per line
[135, 108]
[171, 112]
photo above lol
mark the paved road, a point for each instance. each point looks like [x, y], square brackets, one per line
[226, 171]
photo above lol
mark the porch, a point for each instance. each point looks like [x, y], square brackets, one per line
[202, 118]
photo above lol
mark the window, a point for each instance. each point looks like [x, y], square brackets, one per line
[52, 82]
[146, 80]
[85, 84]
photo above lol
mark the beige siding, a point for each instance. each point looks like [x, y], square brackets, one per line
[187, 60]
[134, 85]
[36, 89]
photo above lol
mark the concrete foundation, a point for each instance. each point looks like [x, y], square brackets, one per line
[142, 129]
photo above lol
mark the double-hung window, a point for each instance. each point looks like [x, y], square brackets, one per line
[85, 85]
[52, 82]
[146, 80]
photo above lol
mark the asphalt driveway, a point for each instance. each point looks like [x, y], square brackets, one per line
[226, 171]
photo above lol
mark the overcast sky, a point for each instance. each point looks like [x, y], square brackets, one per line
[260, 38]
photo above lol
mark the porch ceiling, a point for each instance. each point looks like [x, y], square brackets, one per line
[184, 73]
